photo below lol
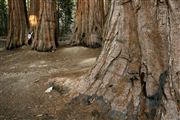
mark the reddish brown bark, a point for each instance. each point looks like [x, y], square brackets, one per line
[89, 22]
[137, 72]
[34, 13]
[107, 4]
[17, 23]
[135, 60]
[44, 39]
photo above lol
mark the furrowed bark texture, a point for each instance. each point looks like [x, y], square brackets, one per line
[89, 22]
[34, 11]
[34, 7]
[138, 68]
[44, 39]
[107, 4]
[17, 23]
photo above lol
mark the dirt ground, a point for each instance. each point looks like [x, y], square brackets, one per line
[25, 75]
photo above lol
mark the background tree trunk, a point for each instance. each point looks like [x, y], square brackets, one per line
[17, 23]
[3, 18]
[44, 39]
[88, 23]
[34, 7]
[34, 13]
[137, 71]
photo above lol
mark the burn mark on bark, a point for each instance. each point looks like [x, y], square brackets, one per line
[76, 29]
[177, 94]
[143, 83]
[154, 102]
[125, 1]
[160, 92]
[83, 35]
[132, 79]
[96, 28]
[134, 76]
[110, 85]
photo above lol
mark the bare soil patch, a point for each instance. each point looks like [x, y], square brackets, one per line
[25, 75]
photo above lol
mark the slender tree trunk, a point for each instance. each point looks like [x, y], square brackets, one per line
[138, 69]
[89, 22]
[17, 23]
[44, 39]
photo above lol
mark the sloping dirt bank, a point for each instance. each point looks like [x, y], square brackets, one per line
[25, 75]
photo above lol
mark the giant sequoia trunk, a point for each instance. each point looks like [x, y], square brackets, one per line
[88, 23]
[34, 13]
[17, 23]
[44, 39]
[138, 70]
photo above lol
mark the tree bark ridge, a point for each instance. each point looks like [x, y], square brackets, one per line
[44, 39]
[89, 22]
[17, 24]
[138, 68]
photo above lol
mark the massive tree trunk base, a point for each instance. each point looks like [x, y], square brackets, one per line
[13, 46]
[33, 14]
[17, 24]
[92, 42]
[44, 50]
[89, 22]
[136, 76]
[95, 45]
[44, 39]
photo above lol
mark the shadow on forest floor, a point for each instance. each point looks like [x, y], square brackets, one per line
[25, 75]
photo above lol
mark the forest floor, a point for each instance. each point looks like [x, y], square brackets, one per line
[25, 75]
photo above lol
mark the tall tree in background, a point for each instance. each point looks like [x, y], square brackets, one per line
[17, 23]
[3, 17]
[138, 70]
[33, 13]
[44, 39]
[89, 22]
